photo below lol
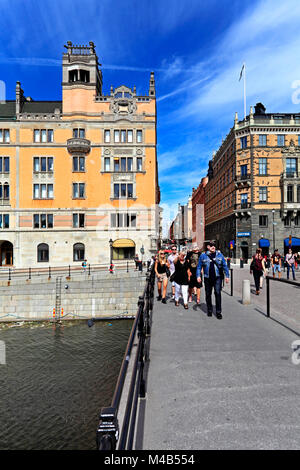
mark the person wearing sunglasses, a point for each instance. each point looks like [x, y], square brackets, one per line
[161, 269]
[214, 265]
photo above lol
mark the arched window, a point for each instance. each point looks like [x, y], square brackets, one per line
[43, 253]
[78, 252]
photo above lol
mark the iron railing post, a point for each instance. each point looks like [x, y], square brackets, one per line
[49, 275]
[9, 274]
[231, 281]
[89, 271]
[108, 429]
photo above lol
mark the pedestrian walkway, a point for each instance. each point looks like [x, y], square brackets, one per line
[220, 384]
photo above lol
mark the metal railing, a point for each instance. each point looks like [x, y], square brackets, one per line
[107, 437]
[268, 279]
[28, 273]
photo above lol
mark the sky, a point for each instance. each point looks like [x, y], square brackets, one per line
[196, 49]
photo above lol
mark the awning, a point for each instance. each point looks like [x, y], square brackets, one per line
[264, 243]
[123, 243]
[295, 242]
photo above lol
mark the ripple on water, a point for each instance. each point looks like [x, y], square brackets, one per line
[55, 382]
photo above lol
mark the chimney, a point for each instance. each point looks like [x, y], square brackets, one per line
[19, 98]
[152, 85]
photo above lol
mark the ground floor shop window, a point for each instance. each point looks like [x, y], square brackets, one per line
[123, 253]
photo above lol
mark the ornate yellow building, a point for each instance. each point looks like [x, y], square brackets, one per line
[78, 175]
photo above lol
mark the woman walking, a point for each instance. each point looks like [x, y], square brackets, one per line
[182, 276]
[194, 284]
[258, 268]
[161, 269]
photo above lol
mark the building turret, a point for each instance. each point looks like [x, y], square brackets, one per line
[152, 85]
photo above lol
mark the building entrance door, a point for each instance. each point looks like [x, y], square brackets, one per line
[244, 251]
[6, 253]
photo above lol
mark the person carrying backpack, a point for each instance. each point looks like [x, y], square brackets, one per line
[258, 268]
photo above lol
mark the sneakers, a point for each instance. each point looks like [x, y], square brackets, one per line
[159, 297]
[209, 314]
[164, 301]
[219, 316]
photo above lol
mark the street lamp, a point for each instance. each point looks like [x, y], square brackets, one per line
[273, 212]
[110, 245]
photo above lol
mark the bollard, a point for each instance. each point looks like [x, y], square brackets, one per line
[241, 263]
[228, 263]
[246, 292]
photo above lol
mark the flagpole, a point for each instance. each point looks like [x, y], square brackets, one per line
[245, 91]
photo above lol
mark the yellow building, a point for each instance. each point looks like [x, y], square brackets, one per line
[78, 175]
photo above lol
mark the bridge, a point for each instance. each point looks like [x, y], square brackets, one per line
[194, 382]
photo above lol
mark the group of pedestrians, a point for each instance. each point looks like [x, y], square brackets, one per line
[187, 271]
[260, 266]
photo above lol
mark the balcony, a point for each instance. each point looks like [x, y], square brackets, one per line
[243, 180]
[4, 201]
[78, 145]
[289, 175]
[243, 209]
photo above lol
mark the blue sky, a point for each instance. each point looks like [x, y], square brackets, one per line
[196, 49]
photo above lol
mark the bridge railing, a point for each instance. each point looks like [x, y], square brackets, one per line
[109, 436]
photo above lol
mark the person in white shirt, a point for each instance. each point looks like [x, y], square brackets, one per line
[171, 258]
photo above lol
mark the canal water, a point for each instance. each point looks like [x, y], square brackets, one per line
[55, 381]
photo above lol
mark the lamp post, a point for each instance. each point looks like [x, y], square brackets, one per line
[273, 212]
[110, 246]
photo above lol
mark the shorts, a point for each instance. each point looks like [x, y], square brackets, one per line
[162, 276]
[276, 267]
[194, 283]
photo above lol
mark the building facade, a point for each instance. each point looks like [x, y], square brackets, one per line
[198, 214]
[181, 229]
[78, 177]
[252, 198]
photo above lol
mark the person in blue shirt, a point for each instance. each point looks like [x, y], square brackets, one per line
[214, 265]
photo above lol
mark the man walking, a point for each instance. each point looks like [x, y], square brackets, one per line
[276, 261]
[214, 265]
[290, 261]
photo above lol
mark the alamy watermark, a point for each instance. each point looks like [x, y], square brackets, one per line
[296, 353]
[2, 353]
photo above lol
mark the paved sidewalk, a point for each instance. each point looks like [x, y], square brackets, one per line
[284, 298]
[220, 384]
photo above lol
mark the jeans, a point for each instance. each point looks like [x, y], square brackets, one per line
[184, 290]
[209, 285]
[257, 274]
[292, 267]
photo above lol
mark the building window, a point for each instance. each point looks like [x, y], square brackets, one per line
[139, 136]
[43, 253]
[243, 142]
[79, 133]
[78, 220]
[262, 166]
[263, 194]
[263, 220]
[117, 136]
[291, 167]
[43, 191]
[43, 135]
[281, 140]
[4, 191]
[4, 220]
[78, 164]
[43, 164]
[139, 164]
[107, 164]
[244, 170]
[298, 193]
[129, 136]
[107, 136]
[290, 193]
[78, 252]
[4, 164]
[123, 190]
[119, 220]
[4, 136]
[42, 220]
[287, 221]
[262, 140]
[244, 201]
[297, 220]
[78, 191]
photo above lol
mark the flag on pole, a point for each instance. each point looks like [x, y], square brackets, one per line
[241, 74]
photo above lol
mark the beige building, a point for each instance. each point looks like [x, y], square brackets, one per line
[78, 177]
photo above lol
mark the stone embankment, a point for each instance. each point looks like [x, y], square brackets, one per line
[82, 296]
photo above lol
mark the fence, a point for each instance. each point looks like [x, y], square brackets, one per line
[268, 279]
[108, 429]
